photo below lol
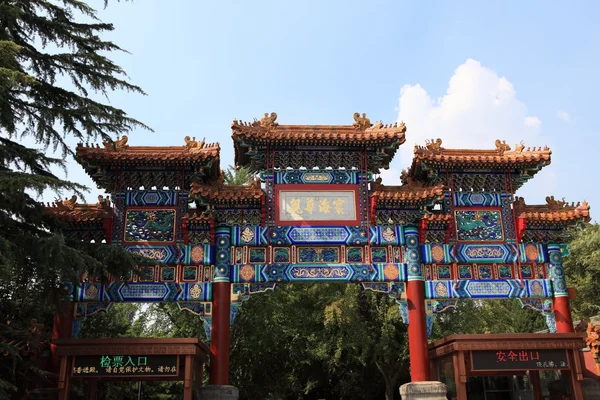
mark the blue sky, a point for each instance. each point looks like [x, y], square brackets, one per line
[468, 72]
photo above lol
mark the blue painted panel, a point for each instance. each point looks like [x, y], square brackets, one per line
[387, 235]
[201, 254]
[316, 177]
[480, 199]
[288, 235]
[151, 198]
[166, 254]
[486, 253]
[533, 252]
[144, 292]
[249, 235]
[379, 272]
[488, 289]
[437, 253]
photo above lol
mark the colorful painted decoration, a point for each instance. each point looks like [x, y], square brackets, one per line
[479, 225]
[149, 226]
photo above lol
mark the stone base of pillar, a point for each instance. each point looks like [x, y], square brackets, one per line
[218, 392]
[423, 391]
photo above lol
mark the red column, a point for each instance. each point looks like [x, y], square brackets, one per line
[219, 345]
[63, 327]
[417, 332]
[562, 314]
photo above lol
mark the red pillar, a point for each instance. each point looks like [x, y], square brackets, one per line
[562, 314]
[63, 327]
[219, 345]
[417, 332]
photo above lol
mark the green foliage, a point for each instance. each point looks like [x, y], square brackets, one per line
[42, 42]
[240, 176]
[582, 269]
[492, 316]
[318, 341]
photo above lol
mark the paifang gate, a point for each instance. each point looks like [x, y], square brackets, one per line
[314, 213]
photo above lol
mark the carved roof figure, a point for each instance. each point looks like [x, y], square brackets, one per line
[268, 121]
[361, 123]
[501, 146]
[117, 145]
[434, 145]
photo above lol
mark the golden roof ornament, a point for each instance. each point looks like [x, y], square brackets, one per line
[117, 145]
[66, 204]
[434, 145]
[501, 146]
[267, 122]
[519, 147]
[361, 123]
[193, 145]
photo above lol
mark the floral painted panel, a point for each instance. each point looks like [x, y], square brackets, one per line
[479, 225]
[143, 225]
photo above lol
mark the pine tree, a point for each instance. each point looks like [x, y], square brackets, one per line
[40, 42]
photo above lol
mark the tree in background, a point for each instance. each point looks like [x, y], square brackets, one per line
[319, 341]
[237, 176]
[41, 44]
[582, 269]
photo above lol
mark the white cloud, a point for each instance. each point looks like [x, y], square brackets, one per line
[563, 115]
[532, 121]
[479, 107]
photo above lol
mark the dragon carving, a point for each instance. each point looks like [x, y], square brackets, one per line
[434, 145]
[361, 123]
[501, 146]
[266, 122]
[192, 144]
[66, 204]
[117, 145]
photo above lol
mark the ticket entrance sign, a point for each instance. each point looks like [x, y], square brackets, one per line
[125, 365]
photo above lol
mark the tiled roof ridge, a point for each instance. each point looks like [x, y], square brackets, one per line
[409, 191]
[553, 210]
[190, 146]
[68, 209]
[434, 148]
[251, 191]
[361, 130]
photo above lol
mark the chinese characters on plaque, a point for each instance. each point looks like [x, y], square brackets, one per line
[335, 205]
[490, 360]
[126, 365]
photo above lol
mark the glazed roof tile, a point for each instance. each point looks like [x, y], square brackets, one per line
[70, 212]
[251, 138]
[121, 153]
[554, 211]
[362, 131]
[227, 193]
[409, 193]
[502, 154]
